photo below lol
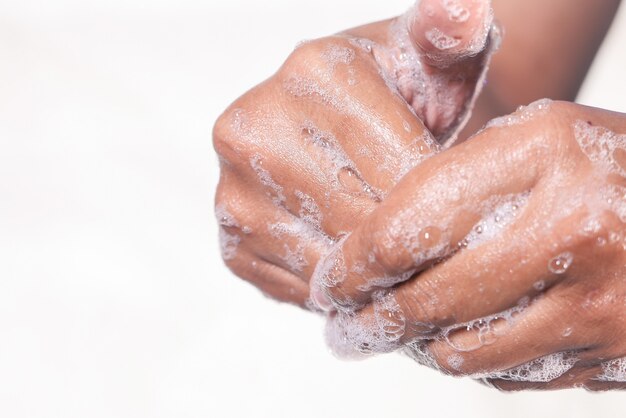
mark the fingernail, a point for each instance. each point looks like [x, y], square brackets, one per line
[320, 299]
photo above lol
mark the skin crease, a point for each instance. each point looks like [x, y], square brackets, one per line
[268, 130]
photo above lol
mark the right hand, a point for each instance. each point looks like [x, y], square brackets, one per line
[308, 154]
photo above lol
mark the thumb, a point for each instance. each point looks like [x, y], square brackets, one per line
[448, 31]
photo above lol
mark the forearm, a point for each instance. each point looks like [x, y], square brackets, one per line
[547, 50]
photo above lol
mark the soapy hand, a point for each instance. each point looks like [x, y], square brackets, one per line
[308, 154]
[503, 258]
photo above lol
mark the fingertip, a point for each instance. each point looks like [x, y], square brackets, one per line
[446, 31]
[330, 272]
[319, 298]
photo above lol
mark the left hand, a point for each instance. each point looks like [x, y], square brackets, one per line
[529, 218]
[307, 154]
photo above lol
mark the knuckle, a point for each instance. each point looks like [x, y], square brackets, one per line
[421, 306]
[236, 131]
[222, 132]
[306, 59]
[225, 140]
[316, 59]
[547, 133]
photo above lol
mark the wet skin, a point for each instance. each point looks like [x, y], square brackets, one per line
[342, 148]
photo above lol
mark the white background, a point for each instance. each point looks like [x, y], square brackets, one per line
[113, 298]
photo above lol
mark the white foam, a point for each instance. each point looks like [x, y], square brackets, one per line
[302, 235]
[441, 40]
[541, 370]
[613, 371]
[615, 196]
[228, 244]
[266, 180]
[224, 217]
[456, 11]
[418, 351]
[329, 272]
[310, 87]
[309, 210]
[455, 361]
[238, 120]
[295, 257]
[522, 115]
[600, 145]
[389, 315]
[498, 213]
[364, 44]
[348, 333]
[336, 54]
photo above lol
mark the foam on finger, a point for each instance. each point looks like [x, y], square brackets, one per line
[447, 31]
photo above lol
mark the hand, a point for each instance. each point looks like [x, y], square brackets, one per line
[518, 240]
[308, 154]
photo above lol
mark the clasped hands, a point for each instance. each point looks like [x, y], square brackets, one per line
[502, 258]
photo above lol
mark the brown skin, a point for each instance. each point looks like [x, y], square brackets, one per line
[271, 113]
[376, 128]
[580, 310]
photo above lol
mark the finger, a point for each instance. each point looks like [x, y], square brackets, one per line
[479, 348]
[430, 212]
[547, 343]
[483, 270]
[578, 376]
[446, 31]
[611, 375]
[273, 281]
[272, 234]
[454, 40]
[440, 85]
[536, 343]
